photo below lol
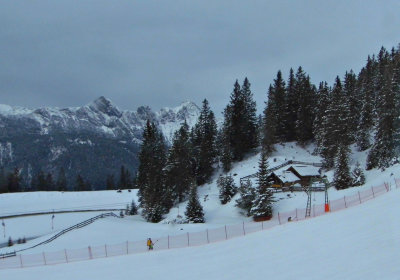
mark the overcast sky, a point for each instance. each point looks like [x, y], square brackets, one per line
[159, 53]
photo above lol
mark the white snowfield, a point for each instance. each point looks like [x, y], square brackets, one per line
[361, 242]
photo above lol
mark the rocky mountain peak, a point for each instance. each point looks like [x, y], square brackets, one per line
[105, 106]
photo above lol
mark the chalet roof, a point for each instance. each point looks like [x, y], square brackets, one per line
[306, 170]
[286, 176]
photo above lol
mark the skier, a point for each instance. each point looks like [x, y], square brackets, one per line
[150, 244]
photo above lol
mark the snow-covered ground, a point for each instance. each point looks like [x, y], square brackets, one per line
[359, 243]
[315, 247]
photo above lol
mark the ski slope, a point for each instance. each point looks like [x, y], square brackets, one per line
[294, 250]
[361, 242]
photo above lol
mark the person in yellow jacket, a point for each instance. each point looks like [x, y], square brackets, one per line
[150, 244]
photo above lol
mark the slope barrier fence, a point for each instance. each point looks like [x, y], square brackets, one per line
[189, 239]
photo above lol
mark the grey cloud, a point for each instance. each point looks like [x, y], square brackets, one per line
[159, 53]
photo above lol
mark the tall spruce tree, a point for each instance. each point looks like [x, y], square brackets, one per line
[240, 123]
[110, 182]
[269, 123]
[179, 169]
[354, 103]
[274, 114]
[323, 100]
[80, 185]
[250, 117]
[366, 90]
[292, 104]
[204, 141]
[41, 181]
[194, 211]
[153, 196]
[382, 153]
[342, 177]
[262, 204]
[50, 182]
[62, 181]
[305, 93]
[14, 181]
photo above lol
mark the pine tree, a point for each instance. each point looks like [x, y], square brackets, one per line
[13, 181]
[250, 117]
[305, 93]
[270, 121]
[247, 196]
[240, 123]
[383, 151]
[179, 169]
[50, 182]
[3, 181]
[62, 181]
[110, 182]
[262, 204]
[227, 188]
[133, 210]
[292, 105]
[353, 103]
[122, 178]
[194, 210]
[41, 181]
[334, 125]
[226, 156]
[342, 178]
[80, 184]
[358, 175]
[366, 90]
[153, 196]
[319, 128]
[204, 141]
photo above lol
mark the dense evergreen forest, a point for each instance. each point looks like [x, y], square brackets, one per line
[360, 109]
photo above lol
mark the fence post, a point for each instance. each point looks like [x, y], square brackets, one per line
[244, 232]
[44, 258]
[168, 241]
[359, 196]
[345, 204]
[208, 239]
[20, 260]
[314, 209]
[127, 247]
[279, 218]
[296, 213]
[66, 256]
[90, 253]
[262, 225]
[105, 248]
[373, 194]
[188, 238]
[226, 233]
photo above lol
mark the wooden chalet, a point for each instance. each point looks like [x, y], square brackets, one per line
[305, 173]
[283, 178]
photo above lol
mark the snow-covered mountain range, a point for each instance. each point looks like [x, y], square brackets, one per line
[99, 135]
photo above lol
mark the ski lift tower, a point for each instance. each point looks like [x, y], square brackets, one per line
[309, 193]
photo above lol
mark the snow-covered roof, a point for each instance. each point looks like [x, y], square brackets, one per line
[306, 170]
[286, 176]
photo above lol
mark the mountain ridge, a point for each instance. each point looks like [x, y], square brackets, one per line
[49, 138]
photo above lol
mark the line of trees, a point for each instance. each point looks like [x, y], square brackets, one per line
[361, 109]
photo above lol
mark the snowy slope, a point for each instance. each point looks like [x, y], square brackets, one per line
[136, 229]
[358, 243]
